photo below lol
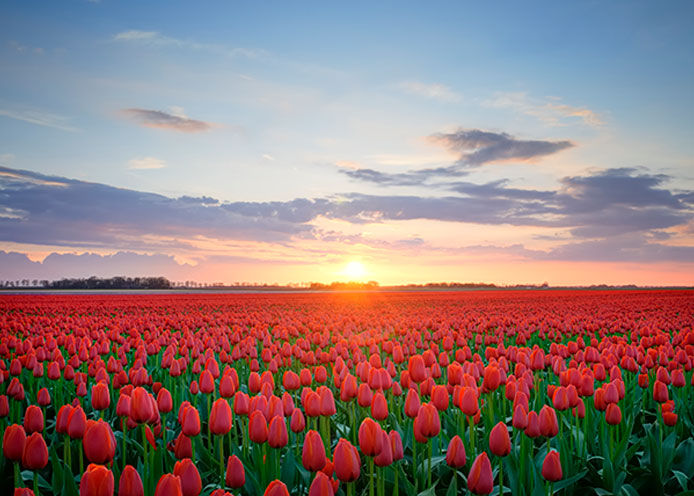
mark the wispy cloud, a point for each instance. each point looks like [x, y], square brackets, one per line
[145, 163]
[478, 147]
[157, 39]
[551, 110]
[40, 118]
[164, 120]
[433, 91]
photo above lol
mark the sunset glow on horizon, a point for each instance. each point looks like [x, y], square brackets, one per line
[399, 142]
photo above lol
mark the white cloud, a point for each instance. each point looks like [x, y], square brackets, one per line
[549, 110]
[268, 157]
[39, 118]
[433, 91]
[156, 39]
[146, 163]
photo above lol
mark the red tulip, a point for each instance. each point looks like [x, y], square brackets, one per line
[347, 461]
[76, 423]
[191, 422]
[220, 417]
[551, 467]
[379, 407]
[412, 403]
[613, 415]
[385, 457]
[321, 486]
[327, 401]
[469, 403]
[417, 369]
[169, 485]
[532, 430]
[123, 405]
[499, 441]
[370, 441]
[549, 426]
[313, 454]
[35, 454]
[290, 381]
[141, 408]
[101, 399]
[97, 480]
[396, 445]
[43, 397]
[23, 491]
[277, 433]
[440, 397]
[235, 474]
[4, 405]
[99, 442]
[276, 488]
[520, 417]
[428, 421]
[455, 454]
[480, 480]
[183, 447]
[257, 427]
[660, 392]
[33, 419]
[13, 442]
[130, 483]
[297, 423]
[191, 484]
[164, 401]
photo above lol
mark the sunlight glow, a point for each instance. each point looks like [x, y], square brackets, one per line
[354, 271]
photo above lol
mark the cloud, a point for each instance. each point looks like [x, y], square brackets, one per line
[40, 118]
[432, 91]
[146, 163]
[164, 120]
[594, 210]
[158, 40]
[410, 178]
[551, 110]
[477, 147]
[123, 263]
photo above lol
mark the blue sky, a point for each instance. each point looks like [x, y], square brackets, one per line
[388, 119]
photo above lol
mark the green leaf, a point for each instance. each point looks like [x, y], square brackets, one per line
[601, 492]
[629, 490]
[569, 480]
[681, 478]
[431, 491]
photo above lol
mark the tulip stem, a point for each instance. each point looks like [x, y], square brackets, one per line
[18, 482]
[36, 483]
[395, 485]
[81, 459]
[414, 464]
[501, 476]
[221, 458]
[350, 489]
[429, 468]
[472, 435]
[125, 436]
[371, 476]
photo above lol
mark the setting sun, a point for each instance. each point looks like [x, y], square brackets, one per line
[354, 270]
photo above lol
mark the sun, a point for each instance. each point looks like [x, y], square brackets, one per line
[354, 270]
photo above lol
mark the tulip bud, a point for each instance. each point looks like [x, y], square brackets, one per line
[313, 454]
[130, 483]
[551, 467]
[220, 417]
[499, 441]
[455, 454]
[35, 454]
[276, 488]
[480, 480]
[97, 480]
[13, 442]
[169, 485]
[347, 461]
[191, 484]
[235, 474]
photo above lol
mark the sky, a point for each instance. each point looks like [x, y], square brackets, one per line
[403, 142]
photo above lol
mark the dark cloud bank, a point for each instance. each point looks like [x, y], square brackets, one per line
[615, 214]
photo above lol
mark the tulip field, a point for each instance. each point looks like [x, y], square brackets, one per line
[372, 393]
